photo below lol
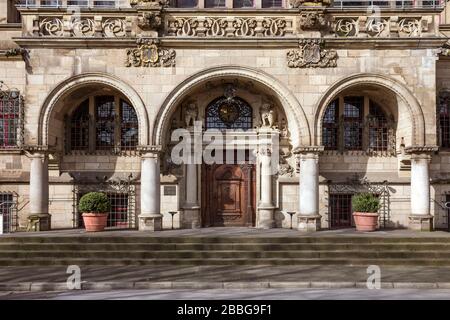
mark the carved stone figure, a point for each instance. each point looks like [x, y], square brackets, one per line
[312, 20]
[268, 115]
[190, 114]
[150, 20]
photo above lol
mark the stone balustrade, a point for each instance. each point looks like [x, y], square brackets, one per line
[174, 23]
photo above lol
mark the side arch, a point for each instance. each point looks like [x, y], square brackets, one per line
[297, 122]
[405, 95]
[82, 80]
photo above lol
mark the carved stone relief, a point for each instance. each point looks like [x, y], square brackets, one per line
[149, 54]
[312, 55]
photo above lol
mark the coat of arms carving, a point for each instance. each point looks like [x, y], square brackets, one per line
[312, 55]
[149, 54]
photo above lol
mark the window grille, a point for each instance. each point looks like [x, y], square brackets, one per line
[353, 115]
[330, 126]
[8, 209]
[345, 128]
[79, 133]
[272, 3]
[11, 114]
[215, 4]
[340, 206]
[105, 120]
[122, 214]
[378, 129]
[229, 113]
[444, 120]
[128, 126]
[114, 128]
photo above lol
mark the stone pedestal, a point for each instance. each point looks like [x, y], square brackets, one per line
[421, 222]
[265, 206]
[309, 218]
[39, 192]
[150, 218]
[308, 222]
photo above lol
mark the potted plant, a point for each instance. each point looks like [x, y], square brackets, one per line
[365, 211]
[95, 207]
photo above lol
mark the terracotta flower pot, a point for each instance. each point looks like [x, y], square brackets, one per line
[94, 222]
[366, 221]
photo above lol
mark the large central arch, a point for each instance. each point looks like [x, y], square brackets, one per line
[380, 80]
[83, 80]
[297, 122]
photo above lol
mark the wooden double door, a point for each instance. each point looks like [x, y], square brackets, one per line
[228, 195]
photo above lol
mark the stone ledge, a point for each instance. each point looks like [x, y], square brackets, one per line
[118, 285]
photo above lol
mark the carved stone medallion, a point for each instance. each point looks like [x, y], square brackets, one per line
[311, 55]
[149, 54]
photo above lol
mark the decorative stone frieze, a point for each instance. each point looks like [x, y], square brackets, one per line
[149, 149]
[311, 55]
[308, 149]
[80, 27]
[229, 26]
[382, 27]
[149, 54]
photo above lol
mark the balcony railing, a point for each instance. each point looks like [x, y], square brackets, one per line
[246, 4]
[72, 3]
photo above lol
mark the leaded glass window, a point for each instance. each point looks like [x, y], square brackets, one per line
[229, 113]
[444, 120]
[113, 121]
[353, 115]
[330, 126]
[79, 129]
[378, 128]
[129, 126]
[10, 119]
[356, 123]
[104, 121]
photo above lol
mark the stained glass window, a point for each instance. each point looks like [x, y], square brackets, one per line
[229, 113]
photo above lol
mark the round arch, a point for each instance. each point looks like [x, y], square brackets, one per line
[82, 80]
[297, 122]
[413, 106]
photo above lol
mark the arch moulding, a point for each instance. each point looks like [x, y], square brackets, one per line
[296, 119]
[413, 106]
[83, 80]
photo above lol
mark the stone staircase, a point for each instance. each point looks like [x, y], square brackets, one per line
[192, 250]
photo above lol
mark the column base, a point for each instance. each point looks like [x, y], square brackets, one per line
[419, 222]
[265, 218]
[191, 217]
[308, 223]
[150, 222]
[39, 222]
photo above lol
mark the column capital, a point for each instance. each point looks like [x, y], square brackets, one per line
[149, 150]
[418, 149]
[38, 150]
[308, 149]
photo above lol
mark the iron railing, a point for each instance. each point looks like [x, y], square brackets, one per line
[8, 213]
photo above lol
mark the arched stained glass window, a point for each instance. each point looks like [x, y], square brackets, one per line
[115, 125]
[356, 123]
[229, 113]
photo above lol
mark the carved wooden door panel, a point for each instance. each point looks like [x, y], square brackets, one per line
[227, 195]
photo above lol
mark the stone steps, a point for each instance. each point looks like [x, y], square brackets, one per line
[29, 250]
[204, 254]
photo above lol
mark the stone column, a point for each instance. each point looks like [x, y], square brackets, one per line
[150, 218]
[308, 215]
[39, 191]
[420, 218]
[265, 205]
[191, 206]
